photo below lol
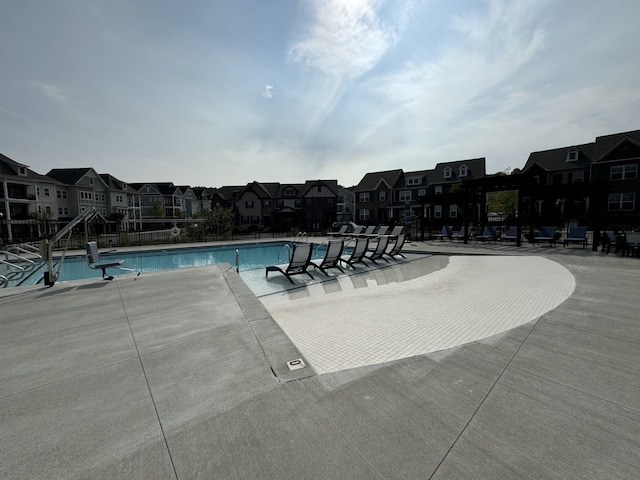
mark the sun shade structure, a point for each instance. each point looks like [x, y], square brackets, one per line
[300, 262]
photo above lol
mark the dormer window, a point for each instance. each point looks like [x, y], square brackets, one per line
[414, 181]
[289, 192]
[448, 173]
[463, 171]
[22, 171]
[572, 155]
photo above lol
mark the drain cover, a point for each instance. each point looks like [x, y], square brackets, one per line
[295, 364]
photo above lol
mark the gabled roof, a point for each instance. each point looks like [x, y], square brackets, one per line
[332, 185]
[298, 187]
[71, 176]
[617, 146]
[227, 193]
[476, 169]
[115, 184]
[9, 167]
[556, 159]
[371, 181]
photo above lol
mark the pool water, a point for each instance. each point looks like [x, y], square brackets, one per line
[251, 256]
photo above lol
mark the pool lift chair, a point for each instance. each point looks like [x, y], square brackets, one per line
[93, 260]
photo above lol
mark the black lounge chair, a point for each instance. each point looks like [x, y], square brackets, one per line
[356, 231]
[576, 235]
[359, 251]
[396, 231]
[609, 238]
[460, 235]
[367, 233]
[631, 244]
[444, 233]
[331, 257]
[511, 235]
[546, 234]
[378, 252]
[93, 260]
[396, 249]
[300, 261]
[338, 233]
[488, 234]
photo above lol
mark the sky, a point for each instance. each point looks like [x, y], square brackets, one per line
[226, 92]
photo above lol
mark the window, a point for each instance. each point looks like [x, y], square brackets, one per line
[622, 202]
[266, 204]
[289, 192]
[47, 192]
[91, 181]
[437, 211]
[363, 214]
[279, 203]
[61, 194]
[22, 171]
[405, 196]
[298, 204]
[453, 211]
[382, 196]
[102, 197]
[414, 181]
[463, 171]
[422, 192]
[447, 172]
[576, 177]
[118, 198]
[364, 197]
[624, 172]
[437, 189]
[330, 202]
[59, 210]
[308, 202]
[47, 209]
[572, 155]
[248, 204]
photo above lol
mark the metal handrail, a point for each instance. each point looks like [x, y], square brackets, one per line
[7, 253]
[288, 249]
[301, 237]
[31, 250]
[4, 280]
[237, 261]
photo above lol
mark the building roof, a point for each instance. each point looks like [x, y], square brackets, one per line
[69, 176]
[9, 167]
[372, 180]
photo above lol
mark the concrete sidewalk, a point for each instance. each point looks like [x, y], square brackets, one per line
[183, 374]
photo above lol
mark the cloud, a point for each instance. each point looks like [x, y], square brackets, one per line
[268, 91]
[51, 91]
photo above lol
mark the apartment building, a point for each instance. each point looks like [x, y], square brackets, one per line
[160, 200]
[122, 200]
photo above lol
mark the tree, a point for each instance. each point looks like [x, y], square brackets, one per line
[156, 210]
[219, 221]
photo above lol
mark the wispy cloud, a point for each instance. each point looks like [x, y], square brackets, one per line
[268, 91]
[51, 91]
[493, 46]
[346, 39]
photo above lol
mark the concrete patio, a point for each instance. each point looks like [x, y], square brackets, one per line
[183, 374]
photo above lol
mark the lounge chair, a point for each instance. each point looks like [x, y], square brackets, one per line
[359, 250]
[511, 235]
[356, 231]
[396, 231]
[444, 233]
[631, 244]
[460, 234]
[339, 233]
[576, 235]
[300, 261]
[546, 234]
[369, 231]
[378, 252]
[395, 250]
[488, 234]
[93, 260]
[331, 257]
[609, 238]
[382, 229]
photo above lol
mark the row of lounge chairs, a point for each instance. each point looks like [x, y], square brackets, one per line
[371, 232]
[335, 257]
[575, 235]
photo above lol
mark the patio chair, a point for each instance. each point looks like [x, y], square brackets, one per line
[576, 235]
[93, 260]
[378, 252]
[382, 229]
[369, 231]
[460, 234]
[396, 231]
[609, 238]
[631, 244]
[359, 251]
[356, 231]
[331, 257]
[396, 249]
[340, 232]
[511, 235]
[444, 233]
[488, 234]
[546, 234]
[300, 261]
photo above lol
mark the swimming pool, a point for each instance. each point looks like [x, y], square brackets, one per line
[251, 257]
